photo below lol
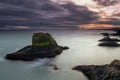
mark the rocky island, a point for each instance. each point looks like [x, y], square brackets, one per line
[43, 46]
[108, 42]
[101, 72]
[117, 32]
[107, 38]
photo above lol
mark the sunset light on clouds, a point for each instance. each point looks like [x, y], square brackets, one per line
[93, 14]
[59, 39]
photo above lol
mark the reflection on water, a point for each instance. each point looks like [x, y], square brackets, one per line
[83, 50]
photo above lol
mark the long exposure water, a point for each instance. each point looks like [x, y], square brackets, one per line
[83, 51]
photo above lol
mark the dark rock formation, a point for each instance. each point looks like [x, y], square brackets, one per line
[105, 34]
[101, 72]
[106, 39]
[65, 47]
[43, 40]
[43, 45]
[55, 67]
[117, 32]
[87, 70]
[109, 44]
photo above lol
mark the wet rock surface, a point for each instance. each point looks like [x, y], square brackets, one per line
[101, 72]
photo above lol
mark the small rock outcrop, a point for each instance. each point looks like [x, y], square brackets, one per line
[108, 42]
[55, 67]
[101, 72]
[43, 45]
[117, 32]
[106, 39]
[105, 34]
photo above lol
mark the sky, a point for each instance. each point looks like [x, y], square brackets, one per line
[59, 14]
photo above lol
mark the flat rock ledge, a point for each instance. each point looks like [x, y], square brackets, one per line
[43, 46]
[101, 72]
[109, 44]
[106, 39]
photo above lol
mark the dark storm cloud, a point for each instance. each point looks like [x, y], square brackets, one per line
[44, 13]
[79, 14]
[107, 2]
[41, 7]
[17, 13]
[111, 21]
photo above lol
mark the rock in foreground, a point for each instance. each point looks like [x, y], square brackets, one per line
[101, 72]
[43, 46]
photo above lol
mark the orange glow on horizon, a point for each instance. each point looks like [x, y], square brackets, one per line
[97, 26]
[17, 27]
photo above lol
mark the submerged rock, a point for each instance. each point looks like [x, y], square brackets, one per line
[55, 67]
[43, 45]
[101, 72]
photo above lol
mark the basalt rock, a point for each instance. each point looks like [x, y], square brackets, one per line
[101, 72]
[43, 46]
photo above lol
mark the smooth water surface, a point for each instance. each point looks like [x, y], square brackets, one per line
[83, 51]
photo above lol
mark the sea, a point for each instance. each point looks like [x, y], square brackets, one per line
[84, 50]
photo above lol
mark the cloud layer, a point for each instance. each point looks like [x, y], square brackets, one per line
[107, 2]
[44, 13]
[49, 14]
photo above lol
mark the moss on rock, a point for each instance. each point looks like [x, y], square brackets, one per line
[42, 39]
[101, 72]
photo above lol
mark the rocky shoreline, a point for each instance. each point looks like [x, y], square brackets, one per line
[101, 72]
[43, 46]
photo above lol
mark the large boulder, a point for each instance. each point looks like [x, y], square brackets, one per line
[101, 72]
[112, 71]
[43, 45]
